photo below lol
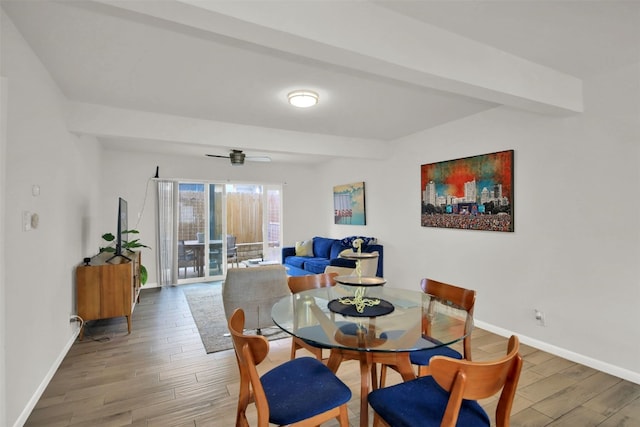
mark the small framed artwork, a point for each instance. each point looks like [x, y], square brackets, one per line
[349, 205]
[472, 193]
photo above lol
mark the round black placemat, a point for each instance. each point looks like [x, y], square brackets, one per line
[385, 307]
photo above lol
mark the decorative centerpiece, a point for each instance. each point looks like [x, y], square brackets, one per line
[357, 243]
[345, 305]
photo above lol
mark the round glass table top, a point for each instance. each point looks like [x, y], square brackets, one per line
[417, 320]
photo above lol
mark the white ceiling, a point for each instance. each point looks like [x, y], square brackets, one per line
[190, 71]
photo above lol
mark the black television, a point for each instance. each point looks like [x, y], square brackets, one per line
[121, 233]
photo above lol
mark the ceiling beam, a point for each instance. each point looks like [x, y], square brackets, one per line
[133, 125]
[371, 39]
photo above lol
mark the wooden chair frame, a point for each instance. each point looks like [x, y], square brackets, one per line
[305, 283]
[464, 379]
[465, 298]
[250, 351]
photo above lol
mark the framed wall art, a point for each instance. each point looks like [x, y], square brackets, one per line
[473, 193]
[349, 204]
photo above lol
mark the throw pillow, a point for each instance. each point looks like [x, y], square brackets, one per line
[304, 248]
[366, 241]
[346, 253]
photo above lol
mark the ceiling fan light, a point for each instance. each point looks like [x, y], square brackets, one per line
[303, 98]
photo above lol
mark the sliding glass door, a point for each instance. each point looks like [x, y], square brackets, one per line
[196, 242]
[211, 215]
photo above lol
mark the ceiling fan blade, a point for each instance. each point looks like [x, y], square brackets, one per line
[259, 158]
[238, 157]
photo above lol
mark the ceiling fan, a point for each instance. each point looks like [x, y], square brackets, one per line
[237, 157]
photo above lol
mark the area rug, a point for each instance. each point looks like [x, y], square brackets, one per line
[205, 303]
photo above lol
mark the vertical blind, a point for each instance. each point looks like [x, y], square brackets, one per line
[167, 270]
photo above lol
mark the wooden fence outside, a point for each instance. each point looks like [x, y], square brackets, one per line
[244, 220]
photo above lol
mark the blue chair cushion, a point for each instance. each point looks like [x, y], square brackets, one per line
[422, 357]
[422, 402]
[302, 388]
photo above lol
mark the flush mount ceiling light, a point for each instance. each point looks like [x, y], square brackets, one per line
[303, 98]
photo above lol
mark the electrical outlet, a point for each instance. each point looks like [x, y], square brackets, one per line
[539, 315]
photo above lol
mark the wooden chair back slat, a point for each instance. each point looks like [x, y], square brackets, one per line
[462, 297]
[311, 281]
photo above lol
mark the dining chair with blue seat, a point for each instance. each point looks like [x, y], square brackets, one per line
[457, 296]
[448, 397]
[301, 392]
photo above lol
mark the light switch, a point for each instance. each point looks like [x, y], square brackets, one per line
[26, 220]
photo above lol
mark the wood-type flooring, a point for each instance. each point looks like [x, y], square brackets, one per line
[160, 375]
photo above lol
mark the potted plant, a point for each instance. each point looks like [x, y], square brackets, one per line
[129, 245]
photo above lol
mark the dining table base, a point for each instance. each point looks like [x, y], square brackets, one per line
[368, 371]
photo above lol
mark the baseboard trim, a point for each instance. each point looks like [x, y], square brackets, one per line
[600, 365]
[22, 419]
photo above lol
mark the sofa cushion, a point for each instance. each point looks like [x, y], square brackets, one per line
[336, 248]
[322, 247]
[316, 265]
[304, 248]
[296, 261]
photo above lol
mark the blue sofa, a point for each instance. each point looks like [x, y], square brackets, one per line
[325, 253]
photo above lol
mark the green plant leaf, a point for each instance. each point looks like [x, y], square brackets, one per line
[143, 274]
[108, 237]
[135, 244]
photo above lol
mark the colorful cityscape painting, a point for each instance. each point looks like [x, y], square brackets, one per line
[473, 193]
[348, 204]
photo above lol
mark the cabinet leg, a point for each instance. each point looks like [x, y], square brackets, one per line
[129, 323]
[81, 332]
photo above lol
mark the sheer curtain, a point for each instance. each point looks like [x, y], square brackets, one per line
[167, 230]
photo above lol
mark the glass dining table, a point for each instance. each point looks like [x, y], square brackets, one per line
[392, 323]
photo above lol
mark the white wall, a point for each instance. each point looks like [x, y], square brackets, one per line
[576, 247]
[127, 174]
[3, 158]
[39, 264]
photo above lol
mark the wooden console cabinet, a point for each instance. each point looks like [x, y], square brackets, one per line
[108, 289]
